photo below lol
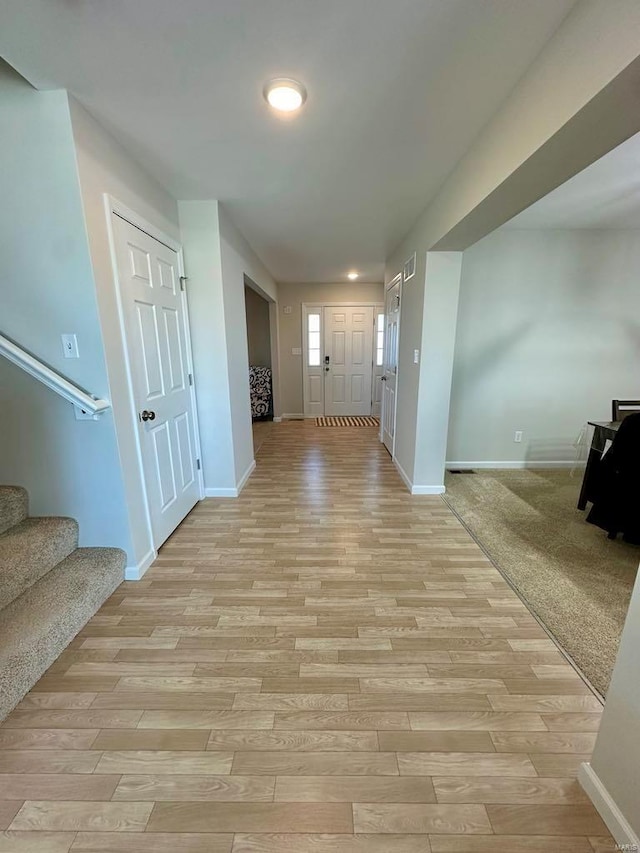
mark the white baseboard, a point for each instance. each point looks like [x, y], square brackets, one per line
[416, 490]
[135, 573]
[277, 420]
[428, 490]
[406, 479]
[289, 416]
[221, 493]
[607, 808]
[245, 476]
[233, 491]
[519, 463]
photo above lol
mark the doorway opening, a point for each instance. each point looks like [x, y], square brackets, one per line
[545, 351]
[259, 346]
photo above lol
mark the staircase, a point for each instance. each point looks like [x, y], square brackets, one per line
[49, 588]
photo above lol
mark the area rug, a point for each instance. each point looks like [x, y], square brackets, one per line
[356, 421]
[576, 580]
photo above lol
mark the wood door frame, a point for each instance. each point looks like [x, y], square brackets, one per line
[397, 279]
[318, 307]
[114, 207]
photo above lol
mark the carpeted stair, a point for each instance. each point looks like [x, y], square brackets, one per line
[49, 588]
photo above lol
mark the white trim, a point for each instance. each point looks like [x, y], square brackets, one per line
[606, 807]
[277, 420]
[234, 491]
[292, 416]
[396, 279]
[377, 370]
[191, 370]
[410, 267]
[428, 490]
[416, 490]
[406, 479]
[135, 573]
[519, 463]
[135, 219]
[243, 480]
[69, 391]
[221, 493]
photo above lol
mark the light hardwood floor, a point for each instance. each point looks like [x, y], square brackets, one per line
[324, 665]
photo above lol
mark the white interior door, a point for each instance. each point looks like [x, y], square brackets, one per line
[155, 331]
[348, 341]
[390, 363]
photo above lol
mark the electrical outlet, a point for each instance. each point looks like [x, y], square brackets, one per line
[517, 436]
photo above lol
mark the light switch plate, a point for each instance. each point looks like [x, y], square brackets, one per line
[287, 309]
[296, 351]
[70, 346]
[416, 356]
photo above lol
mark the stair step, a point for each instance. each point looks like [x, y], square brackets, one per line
[39, 625]
[14, 506]
[30, 549]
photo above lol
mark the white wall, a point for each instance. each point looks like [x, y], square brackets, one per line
[239, 260]
[616, 758]
[548, 333]
[217, 259]
[200, 229]
[577, 101]
[104, 166]
[47, 288]
[442, 285]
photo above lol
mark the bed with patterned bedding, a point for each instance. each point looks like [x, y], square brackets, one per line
[260, 390]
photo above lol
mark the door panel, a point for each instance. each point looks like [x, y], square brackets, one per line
[174, 349]
[338, 395]
[390, 363]
[348, 335]
[154, 320]
[315, 389]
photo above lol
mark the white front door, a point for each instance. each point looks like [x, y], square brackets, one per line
[390, 363]
[155, 330]
[348, 341]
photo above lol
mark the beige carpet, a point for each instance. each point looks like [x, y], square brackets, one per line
[576, 580]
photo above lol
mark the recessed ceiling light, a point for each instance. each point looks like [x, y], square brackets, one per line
[285, 95]
[352, 275]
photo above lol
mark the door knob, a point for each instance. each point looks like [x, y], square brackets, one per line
[147, 416]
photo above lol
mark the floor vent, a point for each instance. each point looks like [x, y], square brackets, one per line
[461, 471]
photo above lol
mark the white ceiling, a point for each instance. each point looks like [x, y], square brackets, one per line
[398, 90]
[604, 195]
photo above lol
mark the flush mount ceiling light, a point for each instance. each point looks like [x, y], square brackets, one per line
[285, 95]
[352, 276]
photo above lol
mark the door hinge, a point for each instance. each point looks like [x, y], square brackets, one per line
[198, 464]
[183, 281]
[191, 379]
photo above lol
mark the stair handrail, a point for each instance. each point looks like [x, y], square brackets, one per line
[87, 405]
